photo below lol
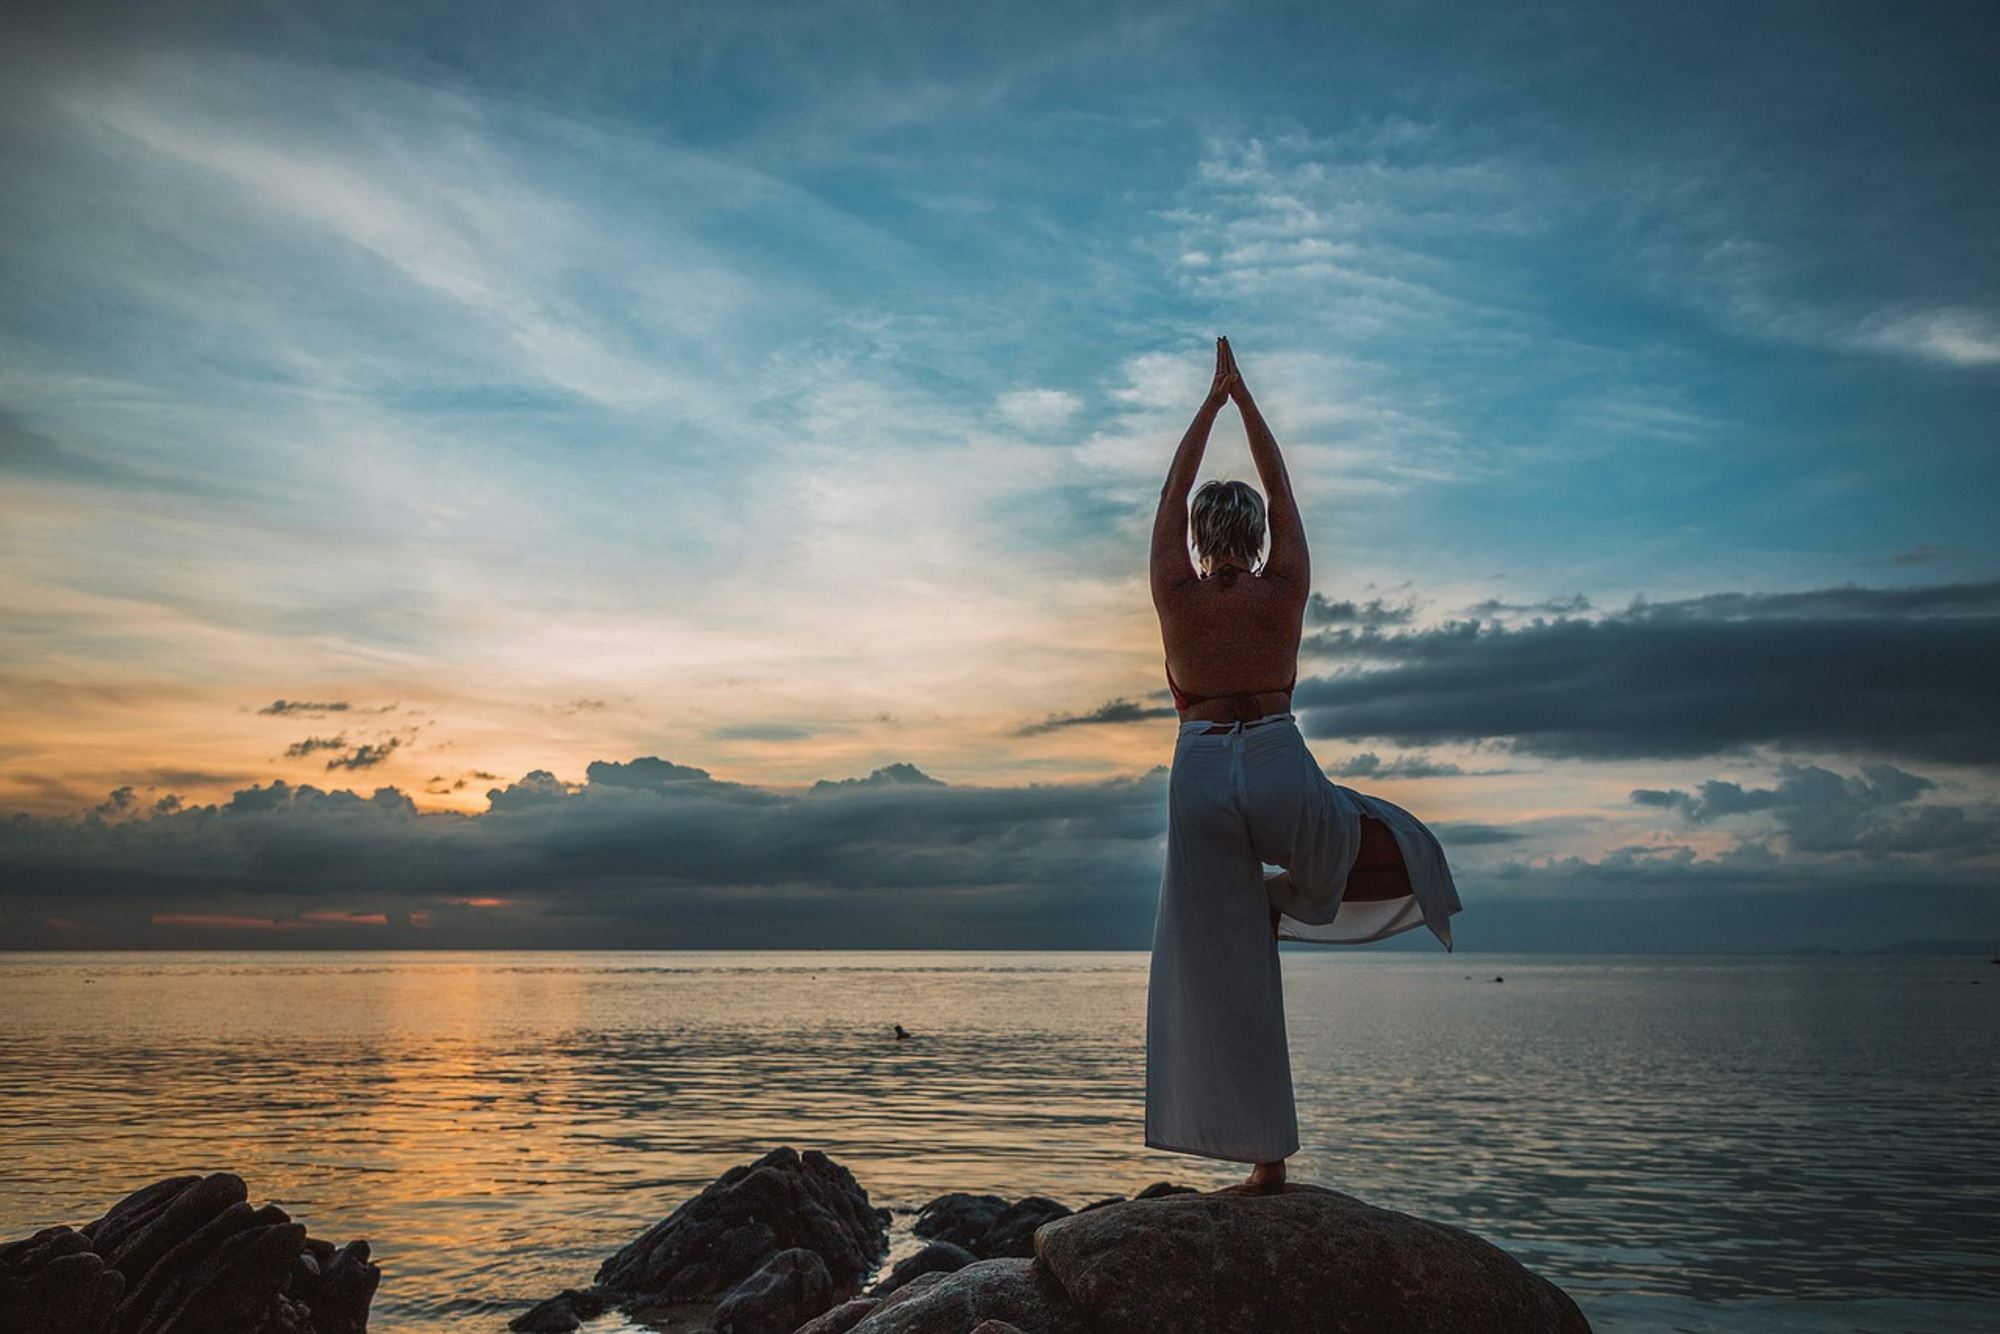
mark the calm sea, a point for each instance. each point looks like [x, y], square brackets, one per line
[1754, 1144]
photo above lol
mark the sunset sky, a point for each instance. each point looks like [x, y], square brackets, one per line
[632, 474]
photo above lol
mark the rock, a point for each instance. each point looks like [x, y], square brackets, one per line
[996, 1327]
[346, 1290]
[1012, 1235]
[54, 1282]
[1159, 1188]
[841, 1318]
[987, 1225]
[187, 1255]
[959, 1218]
[1099, 1204]
[789, 1289]
[1303, 1259]
[1019, 1292]
[711, 1243]
[940, 1257]
[180, 1217]
[560, 1313]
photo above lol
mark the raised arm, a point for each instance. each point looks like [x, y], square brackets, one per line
[1289, 560]
[1170, 565]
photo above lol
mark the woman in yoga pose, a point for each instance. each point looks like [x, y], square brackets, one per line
[1246, 792]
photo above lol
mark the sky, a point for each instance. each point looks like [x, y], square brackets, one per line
[669, 476]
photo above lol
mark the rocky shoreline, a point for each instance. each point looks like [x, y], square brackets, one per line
[786, 1245]
[187, 1255]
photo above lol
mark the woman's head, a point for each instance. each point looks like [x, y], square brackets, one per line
[1228, 523]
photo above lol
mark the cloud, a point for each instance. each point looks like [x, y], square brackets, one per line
[1574, 604]
[1321, 610]
[1877, 810]
[366, 756]
[300, 749]
[1113, 711]
[889, 776]
[286, 708]
[1951, 336]
[1467, 833]
[644, 850]
[1892, 672]
[1367, 764]
[645, 772]
[1039, 410]
[763, 732]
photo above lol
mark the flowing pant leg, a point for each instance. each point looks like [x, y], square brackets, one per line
[1301, 820]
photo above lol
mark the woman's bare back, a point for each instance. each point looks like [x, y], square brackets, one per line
[1230, 633]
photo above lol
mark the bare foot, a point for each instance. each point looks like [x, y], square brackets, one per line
[1266, 1176]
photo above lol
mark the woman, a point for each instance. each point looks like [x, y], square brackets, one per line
[1245, 792]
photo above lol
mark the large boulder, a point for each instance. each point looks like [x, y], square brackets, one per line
[783, 1201]
[187, 1255]
[1304, 1260]
[1019, 1292]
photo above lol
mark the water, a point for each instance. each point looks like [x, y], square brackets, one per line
[1768, 1144]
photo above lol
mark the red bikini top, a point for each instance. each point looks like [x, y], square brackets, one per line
[1183, 700]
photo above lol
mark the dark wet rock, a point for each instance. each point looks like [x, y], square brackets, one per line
[1160, 1188]
[784, 1200]
[959, 1218]
[53, 1281]
[1012, 1235]
[996, 1327]
[940, 1257]
[180, 1216]
[841, 1318]
[1099, 1204]
[1019, 1292]
[345, 1292]
[789, 1289]
[1303, 1259]
[187, 1255]
[989, 1226]
[560, 1313]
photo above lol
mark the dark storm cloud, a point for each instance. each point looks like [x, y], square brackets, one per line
[646, 847]
[1322, 611]
[1367, 764]
[285, 708]
[298, 750]
[1901, 672]
[1115, 711]
[645, 772]
[1817, 810]
[892, 775]
[1466, 833]
[652, 853]
[1571, 605]
[763, 732]
[365, 756]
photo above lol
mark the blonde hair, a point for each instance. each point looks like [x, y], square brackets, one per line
[1228, 520]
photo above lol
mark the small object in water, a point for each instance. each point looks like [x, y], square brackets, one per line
[1499, 979]
[901, 1033]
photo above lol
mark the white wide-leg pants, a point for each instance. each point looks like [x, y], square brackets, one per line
[1218, 1073]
